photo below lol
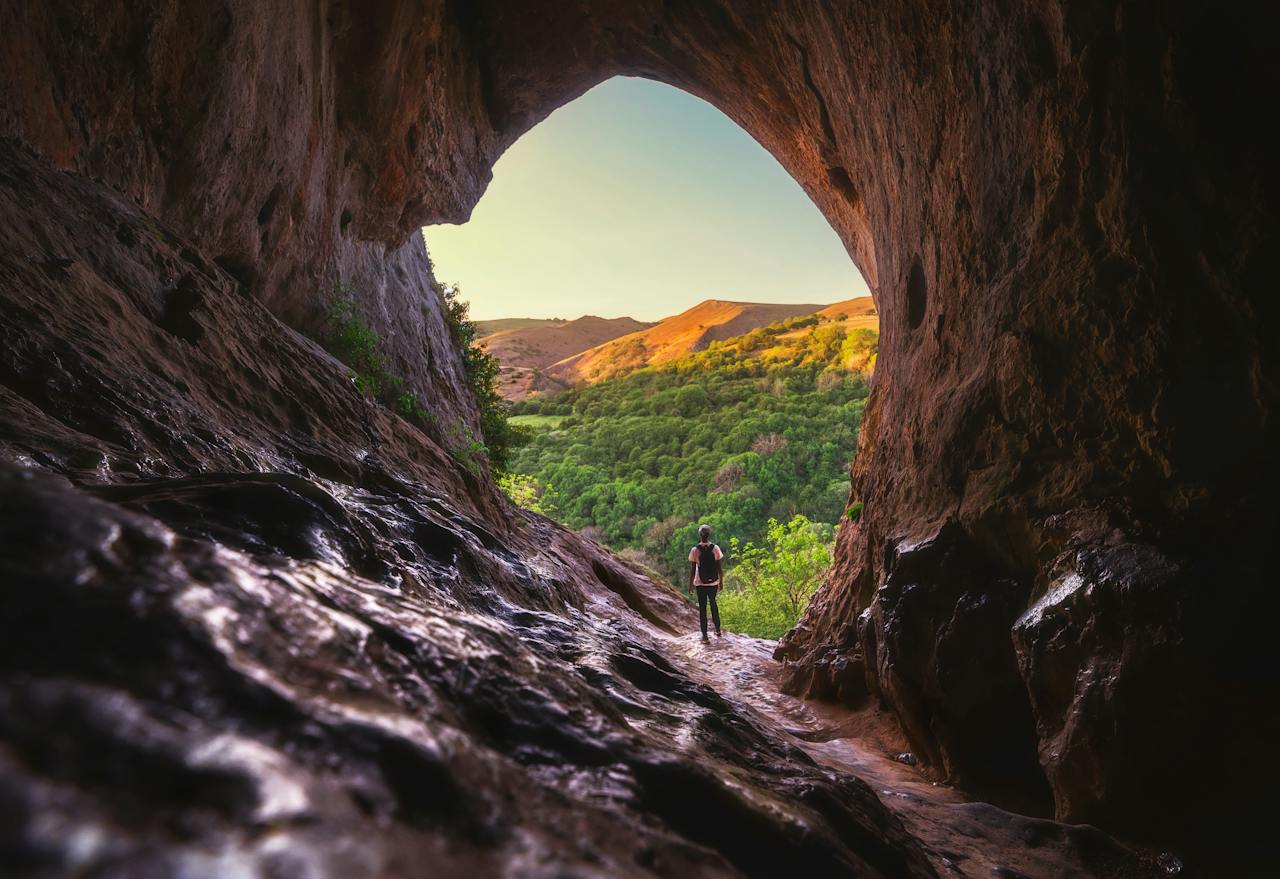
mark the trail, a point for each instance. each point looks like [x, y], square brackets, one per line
[962, 838]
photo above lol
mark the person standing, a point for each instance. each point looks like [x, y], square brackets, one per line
[706, 573]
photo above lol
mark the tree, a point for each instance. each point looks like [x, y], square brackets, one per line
[527, 492]
[673, 445]
[769, 586]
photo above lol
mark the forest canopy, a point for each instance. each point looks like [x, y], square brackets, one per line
[755, 428]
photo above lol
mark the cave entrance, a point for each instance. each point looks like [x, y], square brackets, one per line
[682, 332]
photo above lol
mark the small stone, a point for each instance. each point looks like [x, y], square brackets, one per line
[906, 757]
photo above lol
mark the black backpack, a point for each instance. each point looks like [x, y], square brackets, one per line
[706, 562]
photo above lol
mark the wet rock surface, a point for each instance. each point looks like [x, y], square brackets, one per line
[232, 647]
[174, 706]
[938, 629]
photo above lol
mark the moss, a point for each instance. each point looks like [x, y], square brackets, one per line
[347, 337]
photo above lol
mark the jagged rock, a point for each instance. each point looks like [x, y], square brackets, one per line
[944, 661]
[834, 677]
[1106, 643]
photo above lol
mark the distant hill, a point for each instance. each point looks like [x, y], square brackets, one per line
[687, 332]
[489, 327]
[859, 314]
[524, 347]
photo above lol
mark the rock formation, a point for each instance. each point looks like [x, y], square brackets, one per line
[254, 622]
[235, 587]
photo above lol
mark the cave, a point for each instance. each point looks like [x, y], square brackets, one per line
[254, 621]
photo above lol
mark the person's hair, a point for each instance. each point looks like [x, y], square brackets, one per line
[704, 532]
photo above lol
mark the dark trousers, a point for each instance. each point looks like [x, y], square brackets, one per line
[705, 594]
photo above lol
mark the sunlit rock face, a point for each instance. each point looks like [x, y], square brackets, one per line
[1060, 578]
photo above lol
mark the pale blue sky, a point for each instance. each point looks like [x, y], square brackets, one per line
[639, 199]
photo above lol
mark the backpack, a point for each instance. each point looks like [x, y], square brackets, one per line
[706, 562]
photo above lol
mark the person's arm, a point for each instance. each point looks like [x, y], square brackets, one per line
[693, 566]
[719, 569]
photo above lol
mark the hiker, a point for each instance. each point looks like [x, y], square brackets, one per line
[707, 572]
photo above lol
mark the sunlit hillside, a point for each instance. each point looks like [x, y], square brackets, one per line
[524, 348]
[502, 324]
[672, 338]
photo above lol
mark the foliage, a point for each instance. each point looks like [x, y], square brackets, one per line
[355, 343]
[526, 492]
[348, 338]
[769, 586]
[537, 421]
[855, 511]
[748, 430]
[501, 437]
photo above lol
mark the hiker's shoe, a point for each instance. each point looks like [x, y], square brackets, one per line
[705, 638]
[718, 633]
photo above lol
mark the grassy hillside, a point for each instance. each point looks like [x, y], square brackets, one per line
[672, 338]
[545, 344]
[489, 327]
[762, 425]
[854, 314]
[525, 351]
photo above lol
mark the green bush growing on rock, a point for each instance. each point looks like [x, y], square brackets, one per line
[501, 437]
[526, 492]
[348, 338]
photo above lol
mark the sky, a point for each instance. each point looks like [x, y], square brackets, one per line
[639, 199]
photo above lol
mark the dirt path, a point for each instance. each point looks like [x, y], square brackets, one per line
[963, 838]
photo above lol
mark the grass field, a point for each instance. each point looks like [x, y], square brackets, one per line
[538, 422]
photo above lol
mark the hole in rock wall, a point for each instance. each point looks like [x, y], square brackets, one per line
[637, 199]
[680, 329]
[917, 294]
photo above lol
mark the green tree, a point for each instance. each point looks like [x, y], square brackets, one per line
[770, 585]
[728, 436]
[527, 492]
[501, 437]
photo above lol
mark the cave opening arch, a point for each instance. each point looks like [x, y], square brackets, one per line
[657, 162]
[1029, 287]
[638, 198]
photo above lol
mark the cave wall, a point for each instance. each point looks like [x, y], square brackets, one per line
[299, 145]
[1064, 209]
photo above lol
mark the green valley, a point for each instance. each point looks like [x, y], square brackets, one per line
[754, 428]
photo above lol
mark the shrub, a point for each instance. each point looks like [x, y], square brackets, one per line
[526, 492]
[766, 444]
[347, 337]
[501, 437]
[769, 586]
